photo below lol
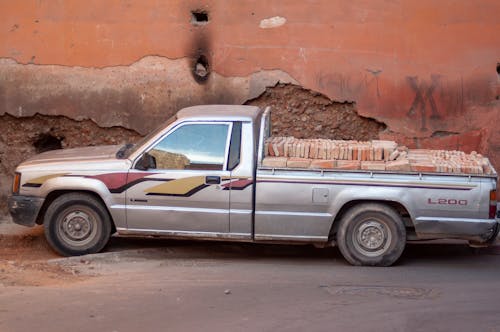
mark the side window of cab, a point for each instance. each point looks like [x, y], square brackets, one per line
[193, 146]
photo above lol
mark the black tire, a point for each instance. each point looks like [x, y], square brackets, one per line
[371, 234]
[77, 224]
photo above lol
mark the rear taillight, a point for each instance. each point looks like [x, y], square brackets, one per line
[493, 204]
[16, 183]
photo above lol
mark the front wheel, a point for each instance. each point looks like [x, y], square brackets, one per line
[371, 234]
[77, 224]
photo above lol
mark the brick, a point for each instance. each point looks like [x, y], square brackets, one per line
[423, 167]
[394, 155]
[364, 155]
[270, 149]
[383, 149]
[285, 149]
[387, 153]
[320, 163]
[348, 164]
[486, 166]
[477, 169]
[379, 153]
[293, 149]
[341, 153]
[321, 150]
[440, 167]
[274, 161]
[398, 165]
[328, 150]
[371, 154]
[307, 149]
[295, 162]
[281, 148]
[373, 165]
[424, 151]
[313, 150]
[356, 152]
[275, 149]
[402, 155]
[336, 152]
[325, 149]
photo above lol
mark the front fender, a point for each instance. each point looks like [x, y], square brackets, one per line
[115, 203]
[77, 183]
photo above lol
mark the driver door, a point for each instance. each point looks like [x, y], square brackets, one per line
[181, 192]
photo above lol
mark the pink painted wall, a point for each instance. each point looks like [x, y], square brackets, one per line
[427, 69]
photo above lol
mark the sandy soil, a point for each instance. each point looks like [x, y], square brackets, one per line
[24, 258]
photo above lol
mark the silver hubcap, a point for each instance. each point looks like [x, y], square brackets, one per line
[371, 238]
[78, 227]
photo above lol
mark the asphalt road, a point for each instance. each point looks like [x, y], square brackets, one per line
[160, 285]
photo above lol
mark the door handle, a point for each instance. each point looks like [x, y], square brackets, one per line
[212, 180]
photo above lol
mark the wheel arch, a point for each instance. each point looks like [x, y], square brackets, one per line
[397, 206]
[53, 195]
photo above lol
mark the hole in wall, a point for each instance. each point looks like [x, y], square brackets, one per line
[498, 75]
[201, 69]
[47, 142]
[199, 17]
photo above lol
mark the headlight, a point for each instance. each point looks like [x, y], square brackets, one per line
[16, 184]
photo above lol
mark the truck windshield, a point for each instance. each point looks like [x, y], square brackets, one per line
[127, 149]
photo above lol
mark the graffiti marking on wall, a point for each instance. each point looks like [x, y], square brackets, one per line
[424, 95]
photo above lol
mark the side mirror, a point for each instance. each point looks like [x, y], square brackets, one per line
[146, 162]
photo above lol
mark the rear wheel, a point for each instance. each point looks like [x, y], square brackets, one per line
[77, 224]
[371, 234]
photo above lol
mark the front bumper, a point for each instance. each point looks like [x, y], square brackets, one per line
[24, 209]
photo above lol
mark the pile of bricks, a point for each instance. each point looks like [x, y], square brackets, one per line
[448, 162]
[373, 155]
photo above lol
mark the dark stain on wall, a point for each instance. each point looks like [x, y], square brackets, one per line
[201, 46]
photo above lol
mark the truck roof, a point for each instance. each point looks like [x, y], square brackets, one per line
[221, 112]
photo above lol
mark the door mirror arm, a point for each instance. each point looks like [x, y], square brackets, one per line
[146, 162]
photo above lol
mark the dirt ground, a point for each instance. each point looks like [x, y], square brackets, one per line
[167, 285]
[24, 258]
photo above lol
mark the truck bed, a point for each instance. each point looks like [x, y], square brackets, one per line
[436, 205]
[289, 152]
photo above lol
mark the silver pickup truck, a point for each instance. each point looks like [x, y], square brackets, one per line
[200, 176]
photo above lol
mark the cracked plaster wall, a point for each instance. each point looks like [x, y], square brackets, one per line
[426, 70]
[137, 97]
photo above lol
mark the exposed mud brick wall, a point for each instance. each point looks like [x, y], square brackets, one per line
[303, 113]
[21, 138]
